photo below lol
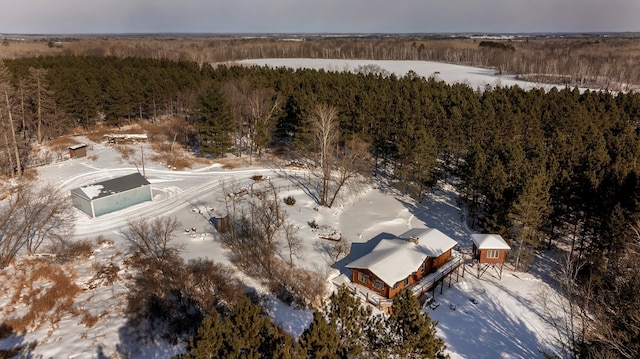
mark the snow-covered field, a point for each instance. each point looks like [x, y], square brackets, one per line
[474, 77]
[507, 321]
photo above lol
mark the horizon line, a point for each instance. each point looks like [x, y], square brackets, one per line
[266, 34]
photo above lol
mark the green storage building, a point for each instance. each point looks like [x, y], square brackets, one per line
[112, 195]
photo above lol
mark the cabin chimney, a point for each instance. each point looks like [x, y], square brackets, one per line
[413, 240]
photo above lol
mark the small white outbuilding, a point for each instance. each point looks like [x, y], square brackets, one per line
[489, 250]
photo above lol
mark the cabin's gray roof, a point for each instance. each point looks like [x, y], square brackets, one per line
[75, 147]
[112, 186]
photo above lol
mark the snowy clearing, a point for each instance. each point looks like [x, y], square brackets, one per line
[506, 320]
[474, 77]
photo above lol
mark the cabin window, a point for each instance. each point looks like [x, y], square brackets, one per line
[492, 253]
[378, 284]
[406, 281]
[395, 286]
[363, 278]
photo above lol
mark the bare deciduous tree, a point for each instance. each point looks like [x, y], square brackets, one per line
[338, 162]
[259, 228]
[294, 242]
[253, 109]
[10, 238]
[229, 188]
[326, 133]
[153, 238]
[7, 146]
[351, 162]
[562, 309]
[30, 217]
[262, 106]
[47, 217]
[21, 87]
[268, 220]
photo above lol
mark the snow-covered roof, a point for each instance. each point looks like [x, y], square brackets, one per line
[112, 186]
[434, 241]
[130, 136]
[75, 147]
[393, 259]
[489, 241]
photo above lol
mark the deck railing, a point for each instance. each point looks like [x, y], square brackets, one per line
[424, 284]
[430, 281]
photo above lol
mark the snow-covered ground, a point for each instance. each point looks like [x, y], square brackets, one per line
[507, 320]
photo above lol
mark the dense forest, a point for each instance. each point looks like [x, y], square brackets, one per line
[585, 60]
[543, 169]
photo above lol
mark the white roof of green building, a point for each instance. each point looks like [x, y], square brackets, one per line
[112, 186]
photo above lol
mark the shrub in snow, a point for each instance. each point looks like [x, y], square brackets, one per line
[296, 286]
[313, 224]
[290, 200]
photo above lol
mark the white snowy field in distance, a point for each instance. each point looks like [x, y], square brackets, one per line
[474, 77]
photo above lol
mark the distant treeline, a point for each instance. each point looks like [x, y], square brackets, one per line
[497, 45]
[585, 61]
[537, 167]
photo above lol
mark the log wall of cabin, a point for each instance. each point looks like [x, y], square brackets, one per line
[355, 278]
[442, 259]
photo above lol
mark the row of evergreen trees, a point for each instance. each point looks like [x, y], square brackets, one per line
[90, 88]
[344, 329]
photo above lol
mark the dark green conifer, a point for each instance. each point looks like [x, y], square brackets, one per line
[412, 334]
[350, 319]
[216, 124]
[250, 333]
[210, 339]
[320, 340]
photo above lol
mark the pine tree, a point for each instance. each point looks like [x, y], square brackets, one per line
[615, 232]
[529, 212]
[216, 124]
[251, 334]
[412, 334]
[350, 319]
[473, 174]
[320, 340]
[245, 333]
[416, 159]
[210, 338]
[6, 107]
[284, 347]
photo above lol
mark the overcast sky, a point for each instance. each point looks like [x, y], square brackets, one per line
[304, 16]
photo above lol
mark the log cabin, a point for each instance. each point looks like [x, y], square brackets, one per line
[400, 262]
